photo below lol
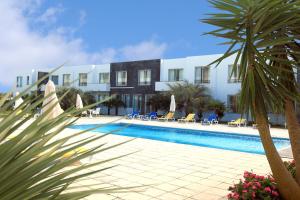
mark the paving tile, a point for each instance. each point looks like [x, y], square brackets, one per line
[100, 196]
[205, 196]
[185, 192]
[169, 196]
[154, 192]
[167, 187]
[136, 196]
[172, 171]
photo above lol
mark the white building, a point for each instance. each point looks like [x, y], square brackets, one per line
[100, 79]
[195, 70]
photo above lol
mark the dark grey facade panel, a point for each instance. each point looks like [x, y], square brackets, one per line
[133, 88]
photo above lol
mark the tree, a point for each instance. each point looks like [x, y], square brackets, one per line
[190, 97]
[160, 101]
[69, 99]
[254, 30]
[217, 106]
[114, 102]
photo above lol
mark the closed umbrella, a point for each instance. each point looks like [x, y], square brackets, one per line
[51, 100]
[18, 102]
[172, 104]
[79, 104]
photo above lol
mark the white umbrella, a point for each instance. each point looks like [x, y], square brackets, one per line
[79, 103]
[51, 100]
[18, 102]
[172, 104]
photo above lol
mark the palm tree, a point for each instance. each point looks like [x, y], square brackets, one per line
[160, 101]
[284, 53]
[190, 97]
[69, 99]
[217, 106]
[253, 30]
[116, 102]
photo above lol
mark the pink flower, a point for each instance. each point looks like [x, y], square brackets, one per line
[236, 196]
[229, 195]
[274, 193]
[268, 189]
[244, 191]
[253, 194]
[258, 184]
[254, 187]
[293, 162]
[246, 174]
[245, 185]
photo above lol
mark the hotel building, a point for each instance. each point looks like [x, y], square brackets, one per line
[136, 81]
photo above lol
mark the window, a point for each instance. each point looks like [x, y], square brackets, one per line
[19, 81]
[27, 80]
[232, 103]
[148, 106]
[83, 79]
[233, 77]
[137, 102]
[144, 77]
[66, 80]
[202, 75]
[54, 78]
[175, 74]
[103, 78]
[121, 78]
[126, 100]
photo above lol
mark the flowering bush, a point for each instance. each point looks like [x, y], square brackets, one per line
[254, 187]
[290, 165]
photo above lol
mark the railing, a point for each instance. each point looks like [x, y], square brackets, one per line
[164, 85]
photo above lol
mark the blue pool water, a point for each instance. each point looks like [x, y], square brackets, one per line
[227, 141]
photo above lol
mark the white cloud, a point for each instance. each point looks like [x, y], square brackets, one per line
[51, 14]
[22, 48]
[144, 50]
[82, 17]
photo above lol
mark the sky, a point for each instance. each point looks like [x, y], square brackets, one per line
[44, 33]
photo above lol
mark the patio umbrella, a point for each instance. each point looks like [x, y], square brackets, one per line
[18, 102]
[51, 100]
[172, 104]
[79, 104]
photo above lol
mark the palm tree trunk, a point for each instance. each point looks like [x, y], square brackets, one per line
[287, 185]
[294, 134]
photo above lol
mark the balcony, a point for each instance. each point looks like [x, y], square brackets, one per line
[164, 85]
[96, 87]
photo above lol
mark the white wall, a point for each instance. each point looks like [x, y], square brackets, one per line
[92, 77]
[218, 86]
[32, 79]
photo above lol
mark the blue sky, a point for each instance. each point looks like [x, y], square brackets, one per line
[91, 32]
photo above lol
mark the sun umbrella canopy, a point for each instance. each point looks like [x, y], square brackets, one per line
[51, 101]
[18, 102]
[172, 104]
[79, 103]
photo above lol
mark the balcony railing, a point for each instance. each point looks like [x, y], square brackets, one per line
[164, 85]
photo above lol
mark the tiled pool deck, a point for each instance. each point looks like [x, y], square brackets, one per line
[172, 171]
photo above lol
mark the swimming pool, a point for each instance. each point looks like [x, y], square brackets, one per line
[219, 140]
